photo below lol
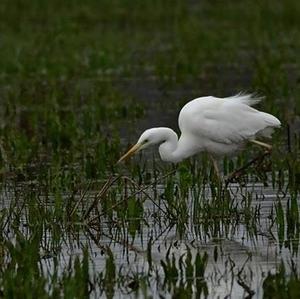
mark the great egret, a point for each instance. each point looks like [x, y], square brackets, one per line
[219, 126]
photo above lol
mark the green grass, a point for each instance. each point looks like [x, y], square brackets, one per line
[78, 81]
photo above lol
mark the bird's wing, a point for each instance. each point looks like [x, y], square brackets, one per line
[230, 124]
[224, 120]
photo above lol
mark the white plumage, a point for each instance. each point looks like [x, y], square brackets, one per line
[219, 126]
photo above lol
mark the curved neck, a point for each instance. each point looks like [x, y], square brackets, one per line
[169, 144]
[173, 150]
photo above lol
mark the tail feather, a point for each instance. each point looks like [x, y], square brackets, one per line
[271, 123]
[271, 120]
[267, 121]
[247, 99]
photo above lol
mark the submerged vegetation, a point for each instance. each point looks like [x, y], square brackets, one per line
[78, 82]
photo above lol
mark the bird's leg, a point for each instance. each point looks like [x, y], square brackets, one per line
[216, 167]
[266, 145]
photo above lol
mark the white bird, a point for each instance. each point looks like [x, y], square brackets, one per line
[218, 126]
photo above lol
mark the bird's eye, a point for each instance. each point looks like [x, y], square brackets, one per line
[145, 141]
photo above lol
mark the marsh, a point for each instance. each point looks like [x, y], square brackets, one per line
[79, 82]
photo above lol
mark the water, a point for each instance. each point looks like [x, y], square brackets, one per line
[239, 255]
[241, 252]
[242, 247]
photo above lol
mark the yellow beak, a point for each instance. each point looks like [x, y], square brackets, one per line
[131, 152]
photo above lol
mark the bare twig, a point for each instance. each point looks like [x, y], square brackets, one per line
[141, 190]
[237, 173]
[111, 180]
[80, 200]
[148, 196]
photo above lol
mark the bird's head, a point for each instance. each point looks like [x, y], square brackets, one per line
[148, 138]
